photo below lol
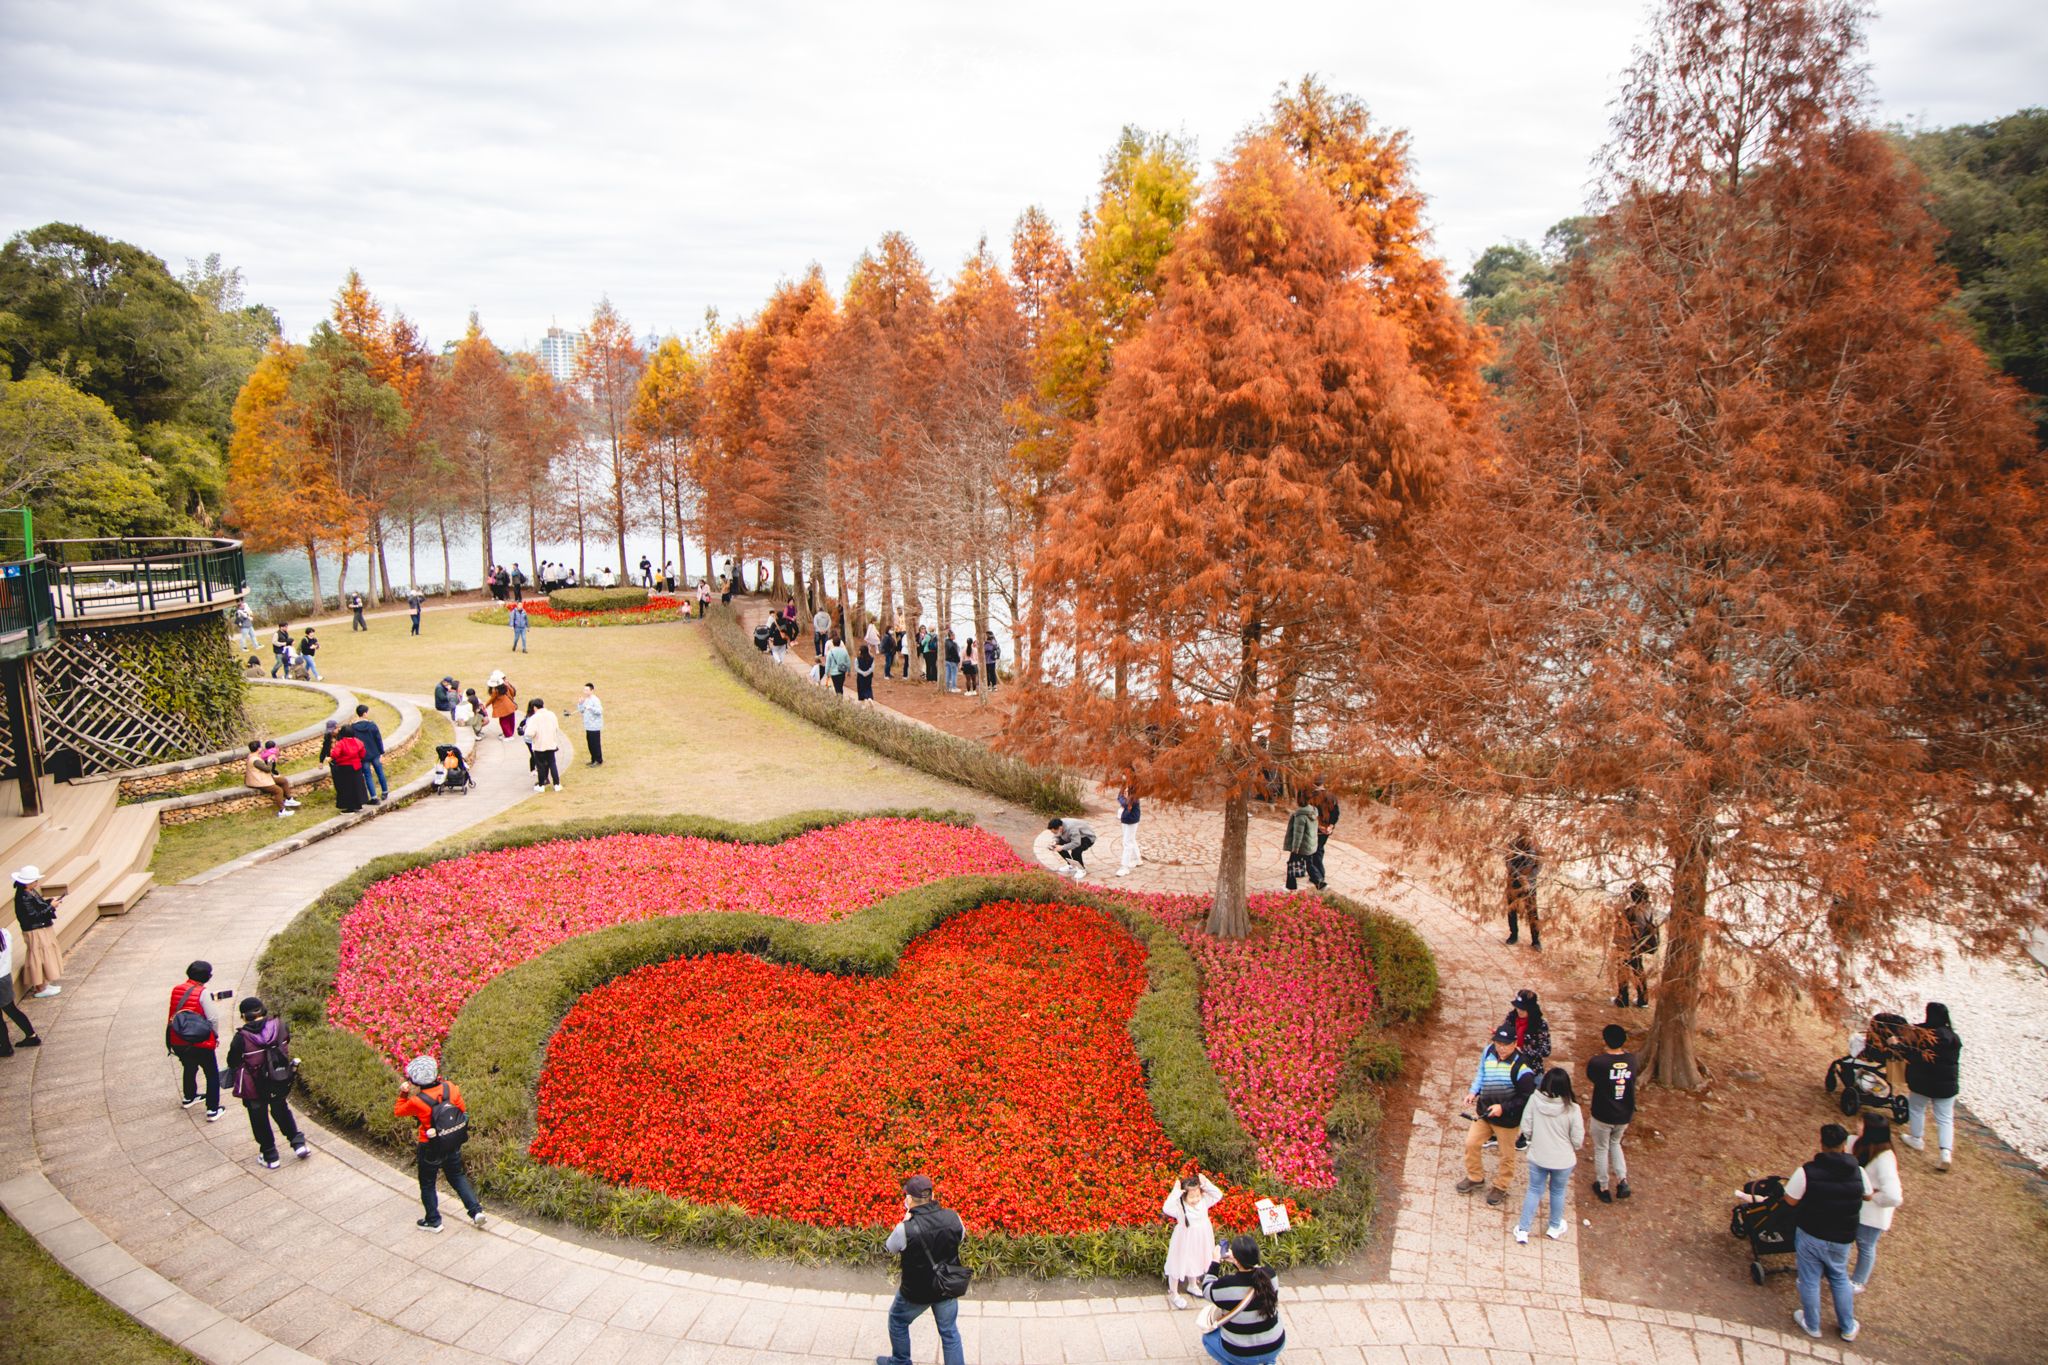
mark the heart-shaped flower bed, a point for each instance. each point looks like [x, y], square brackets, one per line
[997, 1056]
[420, 944]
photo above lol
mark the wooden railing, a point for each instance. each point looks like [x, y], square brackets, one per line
[28, 616]
[145, 576]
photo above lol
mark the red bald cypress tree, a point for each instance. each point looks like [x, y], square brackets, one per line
[1753, 609]
[1218, 538]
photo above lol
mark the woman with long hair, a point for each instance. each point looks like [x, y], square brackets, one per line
[1246, 1302]
[1555, 1130]
[1192, 1249]
[1873, 1152]
[1532, 1031]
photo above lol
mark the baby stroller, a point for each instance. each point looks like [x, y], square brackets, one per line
[452, 774]
[1766, 1224]
[1863, 1078]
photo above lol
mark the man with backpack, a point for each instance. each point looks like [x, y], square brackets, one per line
[189, 1035]
[261, 1062]
[435, 1104]
[1500, 1091]
[928, 1239]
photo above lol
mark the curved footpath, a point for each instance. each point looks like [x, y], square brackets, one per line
[173, 1219]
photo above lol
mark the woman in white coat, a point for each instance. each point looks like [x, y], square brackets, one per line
[1193, 1248]
[1873, 1151]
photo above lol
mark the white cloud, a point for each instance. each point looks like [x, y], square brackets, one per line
[523, 159]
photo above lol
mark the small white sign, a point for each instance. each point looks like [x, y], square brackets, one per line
[1273, 1217]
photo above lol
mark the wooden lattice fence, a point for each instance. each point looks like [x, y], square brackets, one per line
[128, 696]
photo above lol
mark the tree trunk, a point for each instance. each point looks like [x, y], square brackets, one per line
[313, 567]
[1669, 1054]
[860, 594]
[412, 550]
[483, 532]
[1229, 915]
[447, 564]
[1281, 742]
[839, 566]
[383, 567]
[341, 587]
[888, 598]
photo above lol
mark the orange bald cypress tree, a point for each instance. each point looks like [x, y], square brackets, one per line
[1754, 610]
[1218, 541]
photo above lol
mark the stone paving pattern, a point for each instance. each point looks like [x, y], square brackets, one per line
[174, 1220]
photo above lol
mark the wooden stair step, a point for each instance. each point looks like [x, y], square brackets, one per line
[118, 898]
[71, 871]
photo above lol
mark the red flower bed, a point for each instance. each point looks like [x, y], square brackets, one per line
[654, 603]
[997, 1059]
[420, 944]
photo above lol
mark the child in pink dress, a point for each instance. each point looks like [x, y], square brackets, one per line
[1193, 1248]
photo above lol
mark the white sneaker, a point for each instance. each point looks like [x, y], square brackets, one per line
[284, 815]
[1917, 1144]
[1799, 1320]
[1176, 1300]
[558, 786]
[536, 786]
[1123, 872]
[1554, 1231]
[1522, 1236]
[1857, 1288]
[46, 992]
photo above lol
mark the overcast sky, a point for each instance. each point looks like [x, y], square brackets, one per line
[523, 159]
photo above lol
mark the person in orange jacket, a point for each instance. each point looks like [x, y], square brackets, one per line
[423, 1091]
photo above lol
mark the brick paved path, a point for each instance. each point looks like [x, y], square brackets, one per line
[172, 1218]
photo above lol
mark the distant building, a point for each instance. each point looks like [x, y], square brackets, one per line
[559, 351]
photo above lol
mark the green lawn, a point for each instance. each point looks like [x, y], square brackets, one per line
[681, 733]
[49, 1318]
[185, 850]
[275, 712]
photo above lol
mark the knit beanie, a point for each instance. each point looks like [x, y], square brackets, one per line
[423, 1071]
[202, 972]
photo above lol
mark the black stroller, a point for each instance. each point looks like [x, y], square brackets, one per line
[452, 774]
[1861, 1080]
[1766, 1225]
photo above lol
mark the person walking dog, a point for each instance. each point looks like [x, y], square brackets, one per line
[928, 1241]
[435, 1103]
[260, 1061]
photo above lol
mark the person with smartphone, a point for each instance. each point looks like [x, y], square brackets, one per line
[190, 1036]
[928, 1240]
[1242, 1324]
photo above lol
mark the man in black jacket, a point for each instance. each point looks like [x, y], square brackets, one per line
[928, 1239]
[1826, 1198]
[366, 730]
[1500, 1091]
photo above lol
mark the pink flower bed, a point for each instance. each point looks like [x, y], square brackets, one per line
[420, 944]
[1278, 1010]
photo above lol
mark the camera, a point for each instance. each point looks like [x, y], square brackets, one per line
[223, 995]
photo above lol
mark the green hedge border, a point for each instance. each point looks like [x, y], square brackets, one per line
[502, 616]
[498, 1045]
[1047, 791]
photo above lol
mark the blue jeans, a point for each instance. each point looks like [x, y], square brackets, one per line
[1944, 1119]
[1539, 1176]
[1866, 1253]
[248, 637]
[375, 765]
[952, 676]
[1212, 1342]
[945, 1315]
[1829, 1259]
[312, 669]
[519, 639]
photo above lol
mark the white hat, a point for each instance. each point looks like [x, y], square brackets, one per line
[497, 677]
[28, 875]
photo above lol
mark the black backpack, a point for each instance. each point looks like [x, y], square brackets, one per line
[278, 1067]
[450, 1124]
[189, 1025]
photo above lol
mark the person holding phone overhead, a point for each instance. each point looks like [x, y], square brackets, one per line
[1242, 1324]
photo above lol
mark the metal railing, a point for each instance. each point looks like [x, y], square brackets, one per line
[28, 616]
[143, 576]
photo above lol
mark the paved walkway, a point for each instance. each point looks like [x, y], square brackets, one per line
[173, 1219]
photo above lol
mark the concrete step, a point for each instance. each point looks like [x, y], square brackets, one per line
[76, 815]
[124, 849]
[15, 831]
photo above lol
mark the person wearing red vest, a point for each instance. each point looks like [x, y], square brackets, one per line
[196, 1054]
